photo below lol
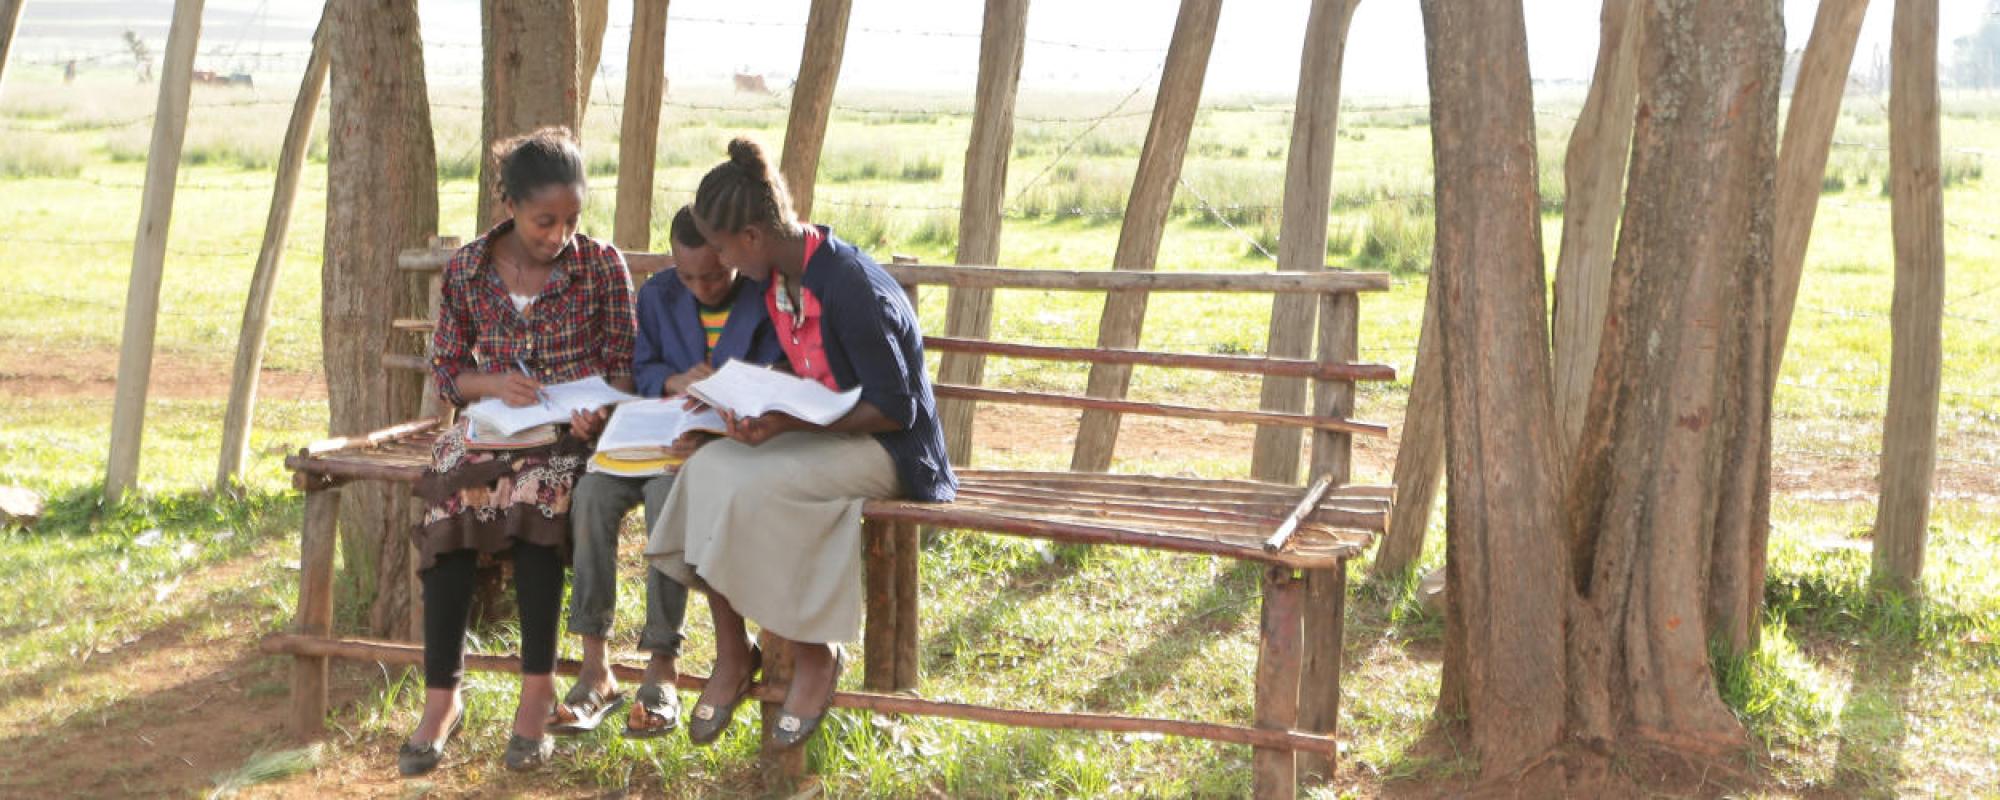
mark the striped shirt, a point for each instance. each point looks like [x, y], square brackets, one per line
[712, 322]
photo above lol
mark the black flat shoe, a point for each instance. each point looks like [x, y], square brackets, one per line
[525, 754]
[417, 758]
[709, 721]
[793, 730]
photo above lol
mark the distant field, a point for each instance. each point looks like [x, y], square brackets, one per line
[71, 163]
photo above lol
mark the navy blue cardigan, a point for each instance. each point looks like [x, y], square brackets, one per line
[671, 340]
[871, 338]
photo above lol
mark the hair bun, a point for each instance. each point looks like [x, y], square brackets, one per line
[746, 153]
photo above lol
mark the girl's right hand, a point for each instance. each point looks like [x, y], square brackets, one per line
[512, 388]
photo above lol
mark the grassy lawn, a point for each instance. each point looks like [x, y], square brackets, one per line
[137, 624]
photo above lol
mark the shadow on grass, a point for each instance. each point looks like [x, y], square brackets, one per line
[1026, 581]
[1873, 730]
[1196, 622]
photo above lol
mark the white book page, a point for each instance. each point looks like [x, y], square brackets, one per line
[748, 391]
[654, 424]
[558, 400]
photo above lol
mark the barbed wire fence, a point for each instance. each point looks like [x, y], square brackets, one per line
[1222, 213]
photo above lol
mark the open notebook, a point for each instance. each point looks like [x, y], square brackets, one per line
[643, 428]
[746, 390]
[558, 400]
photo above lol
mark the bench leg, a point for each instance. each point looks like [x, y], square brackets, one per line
[315, 611]
[878, 569]
[909, 546]
[781, 768]
[1277, 701]
[1319, 675]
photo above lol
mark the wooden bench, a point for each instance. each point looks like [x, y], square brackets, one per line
[1302, 536]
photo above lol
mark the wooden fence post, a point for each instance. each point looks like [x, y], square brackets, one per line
[315, 611]
[236, 421]
[1302, 230]
[1326, 589]
[1146, 213]
[639, 134]
[1274, 772]
[1916, 208]
[10, 18]
[593, 17]
[149, 250]
[969, 312]
[812, 100]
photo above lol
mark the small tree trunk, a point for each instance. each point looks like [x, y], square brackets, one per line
[812, 99]
[592, 17]
[381, 199]
[1420, 451]
[1502, 560]
[530, 81]
[1916, 207]
[1593, 172]
[638, 138]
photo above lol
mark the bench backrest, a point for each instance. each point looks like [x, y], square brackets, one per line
[1333, 372]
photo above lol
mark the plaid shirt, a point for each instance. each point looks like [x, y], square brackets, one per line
[582, 323]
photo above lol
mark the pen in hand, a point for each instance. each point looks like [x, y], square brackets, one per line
[539, 394]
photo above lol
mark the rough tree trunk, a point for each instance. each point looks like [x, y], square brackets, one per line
[381, 198]
[1593, 172]
[530, 81]
[592, 17]
[1916, 207]
[812, 100]
[1504, 566]
[1420, 451]
[1671, 490]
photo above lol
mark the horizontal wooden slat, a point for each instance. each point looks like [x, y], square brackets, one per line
[1256, 365]
[1161, 410]
[413, 654]
[950, 516]
[402, 361]
[1332, 280]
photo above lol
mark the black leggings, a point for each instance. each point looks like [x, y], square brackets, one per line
[538, 590]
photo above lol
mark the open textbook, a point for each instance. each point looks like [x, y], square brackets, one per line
[557, 402]
[748, 391]
[647, 428]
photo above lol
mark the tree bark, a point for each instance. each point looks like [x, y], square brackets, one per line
[812, 100]
[592, 17]
[1671, 494]
[1503, 563]
[1420, 452]
[1593, 172]
[969, 312]
[1146, 218]
[530, 81]
[10, 18]
[1302, 231]
[381, 199]
[639, 134]
[1916, 207]
[1808, 134]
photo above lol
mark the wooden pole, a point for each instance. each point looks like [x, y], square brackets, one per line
[264, 280]
[909, 546]
[1808, 134]
[1302, 232]
[1326, 589]
[10, 18]
[1277, 695]
[592, 18]
[1146, 218]
[878, 571]
[1307, 502]
[413, 654]
[969, 312]
[812, 99]
[639, 134]
[1593, 175]
[1323, 623]
[149, 250]
[315, 612]
[1420, 451]
[1916, 207]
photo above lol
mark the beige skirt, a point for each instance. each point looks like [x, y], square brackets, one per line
[776, 529]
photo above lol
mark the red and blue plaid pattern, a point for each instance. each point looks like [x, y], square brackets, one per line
[582, 323]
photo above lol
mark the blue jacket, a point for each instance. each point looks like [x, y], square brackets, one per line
[871, 339]
[671, 340]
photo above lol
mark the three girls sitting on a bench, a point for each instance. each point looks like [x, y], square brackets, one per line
[767, 521]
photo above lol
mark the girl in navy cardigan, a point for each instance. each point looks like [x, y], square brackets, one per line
[768, 522]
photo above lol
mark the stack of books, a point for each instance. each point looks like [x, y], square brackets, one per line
[638, 440]
[481, 436]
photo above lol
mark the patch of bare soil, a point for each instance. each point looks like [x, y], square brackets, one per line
[34, 371]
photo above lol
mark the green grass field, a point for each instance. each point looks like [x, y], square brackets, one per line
[115, 614]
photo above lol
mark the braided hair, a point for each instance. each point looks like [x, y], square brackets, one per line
[743, 192]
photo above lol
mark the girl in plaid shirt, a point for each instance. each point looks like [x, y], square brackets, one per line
[532, 301]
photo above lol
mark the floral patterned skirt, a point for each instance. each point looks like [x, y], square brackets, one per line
[485, 500]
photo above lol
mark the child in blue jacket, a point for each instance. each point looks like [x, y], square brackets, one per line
[692, 319]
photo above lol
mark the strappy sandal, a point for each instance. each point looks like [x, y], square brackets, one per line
[793, 730]
[525, 754]
[662, 708]
[709, 721]
[587, 706]
[417, 758]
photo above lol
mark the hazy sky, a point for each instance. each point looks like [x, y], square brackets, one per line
[927, 44]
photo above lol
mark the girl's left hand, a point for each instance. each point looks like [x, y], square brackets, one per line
[757, 430]
[586, 424]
